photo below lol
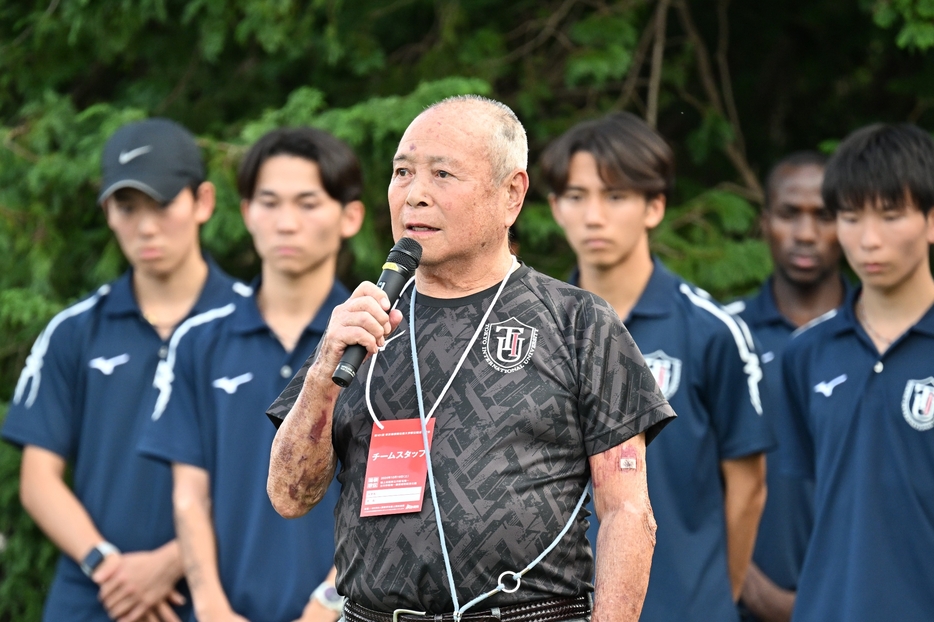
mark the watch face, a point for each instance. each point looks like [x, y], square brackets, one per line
[91, 562]
[331, 595]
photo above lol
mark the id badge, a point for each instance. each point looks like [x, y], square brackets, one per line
[397, 468]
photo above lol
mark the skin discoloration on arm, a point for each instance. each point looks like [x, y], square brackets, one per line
[302, 461]
[626, 538]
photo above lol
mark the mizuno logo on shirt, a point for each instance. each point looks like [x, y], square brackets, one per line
[230, 385]
[107, 366]
[826, 388]
[126, 156]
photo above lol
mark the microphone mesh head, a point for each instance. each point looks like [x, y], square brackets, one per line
[407, 253]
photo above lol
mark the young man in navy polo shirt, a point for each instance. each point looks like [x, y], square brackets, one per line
[802, 237]
[609, 181]
[860, 388]
[300, 191]
[80, 398]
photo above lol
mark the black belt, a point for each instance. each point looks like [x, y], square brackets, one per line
[551, 610]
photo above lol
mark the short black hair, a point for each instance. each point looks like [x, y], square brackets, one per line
[884, 165]
[798, 159]
[629, 155]
[339, 167]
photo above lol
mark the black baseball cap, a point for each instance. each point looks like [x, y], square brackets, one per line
[155, 156]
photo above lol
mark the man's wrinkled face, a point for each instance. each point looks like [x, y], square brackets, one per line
[800, 231]
[442, 191]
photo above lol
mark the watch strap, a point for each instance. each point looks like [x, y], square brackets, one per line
[96, 556]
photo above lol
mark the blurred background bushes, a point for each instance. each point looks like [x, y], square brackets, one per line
[732, 86]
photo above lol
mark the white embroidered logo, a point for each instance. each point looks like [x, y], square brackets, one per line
[106, 366]
[918, 404]
[230, 385]
[508, 345]
[126, 156]
[667, 372]
[826, 388]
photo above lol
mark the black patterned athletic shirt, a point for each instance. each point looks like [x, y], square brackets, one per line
[553, 379]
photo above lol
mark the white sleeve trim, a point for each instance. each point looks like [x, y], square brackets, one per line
[32, 370]
[165, 370]
[741, 336]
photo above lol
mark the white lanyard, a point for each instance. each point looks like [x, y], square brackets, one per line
[460, 363]
[423, 417]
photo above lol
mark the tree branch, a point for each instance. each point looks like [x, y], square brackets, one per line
[23, 35]
[180, 86]
[733, 149]
[726, 82]
[549, 29]
[9, 142]
[658, 57]
[635, 67]
[702, 56]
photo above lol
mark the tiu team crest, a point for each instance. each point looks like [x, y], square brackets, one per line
[918, 404]
[667, 372]
[508, 345]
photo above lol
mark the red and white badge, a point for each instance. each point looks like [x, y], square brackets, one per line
[397, 468]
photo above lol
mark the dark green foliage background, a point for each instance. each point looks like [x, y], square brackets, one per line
[740, 85]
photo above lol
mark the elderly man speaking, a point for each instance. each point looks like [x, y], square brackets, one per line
[491, 396]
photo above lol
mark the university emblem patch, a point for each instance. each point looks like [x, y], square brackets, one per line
[667, 372]
[508, 345]
[918, 404]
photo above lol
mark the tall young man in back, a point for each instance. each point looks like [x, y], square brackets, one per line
[79, 400]
[802, 237]
[300, 198]
[860, 389]
[610, 180]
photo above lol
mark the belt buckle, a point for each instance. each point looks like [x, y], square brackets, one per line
[397, 612]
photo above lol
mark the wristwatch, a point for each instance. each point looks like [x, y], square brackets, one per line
[327, 595]
[94, 559]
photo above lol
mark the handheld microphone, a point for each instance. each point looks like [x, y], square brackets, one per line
[400, 265]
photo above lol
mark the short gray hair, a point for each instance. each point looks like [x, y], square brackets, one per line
[509, 145]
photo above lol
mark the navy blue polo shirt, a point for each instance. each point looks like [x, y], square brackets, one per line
[865, 422]
[82, 395]
[705, 363]
[789, 509]
[227, 369]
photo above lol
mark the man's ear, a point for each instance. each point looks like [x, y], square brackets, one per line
[765, 224]
[245, 214]
[516, 189]
[929, 223]
[555, 212]
[352, 218]
[205, 200]
[654, 211]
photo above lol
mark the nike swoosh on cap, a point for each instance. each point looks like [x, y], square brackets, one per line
[126, 156]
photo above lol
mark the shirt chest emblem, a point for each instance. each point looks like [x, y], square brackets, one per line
[107, 366]
[826, 388]
[918, 404]
[666, 370]
[508, 345]
[230, 385]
